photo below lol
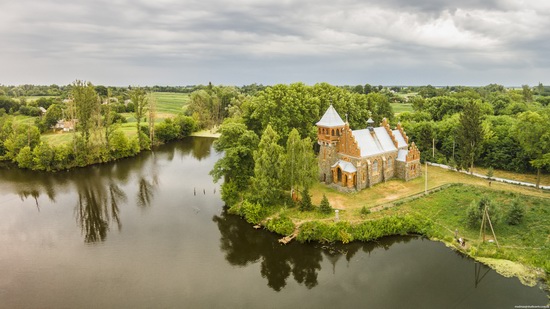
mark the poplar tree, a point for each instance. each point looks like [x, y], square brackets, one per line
[267, 180]
[300, 169]
[138, 96]
[470, 134]
[86, 103]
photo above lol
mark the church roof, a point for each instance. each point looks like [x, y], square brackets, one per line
[402, 155]
[331, 119]
[373, 144]
[399, 138]
[345, 166]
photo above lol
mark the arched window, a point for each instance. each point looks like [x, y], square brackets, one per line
[390, 160]
[375, 166]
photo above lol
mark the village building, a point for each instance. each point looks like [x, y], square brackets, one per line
[352, 160]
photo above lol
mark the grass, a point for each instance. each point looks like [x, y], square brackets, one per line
[399, 108]
[170, 103]
[544, 178]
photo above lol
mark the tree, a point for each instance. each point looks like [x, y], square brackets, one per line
[237, 165]
[301, 163]
[268, 159]
[325, 207]
[86, 103]
[515, 214]
[532, 133]
[470, 134]
[138, 96]
[305, 203]
[53, 114]
[152, 117]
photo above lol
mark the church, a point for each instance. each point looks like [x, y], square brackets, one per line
[352, 160]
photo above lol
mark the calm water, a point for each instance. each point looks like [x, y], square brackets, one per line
[151, 232]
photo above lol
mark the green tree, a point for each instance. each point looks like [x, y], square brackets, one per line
[268, 159]
[139, 97]
[53, 114]
[86, 103]
[237, 165]
[305, 203]
[43, 157]
[515, 214]
[470, 134]
[532, 133]
[301, 167]
[325, 207]
[24, 158]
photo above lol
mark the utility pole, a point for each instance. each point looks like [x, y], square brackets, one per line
[426, 179]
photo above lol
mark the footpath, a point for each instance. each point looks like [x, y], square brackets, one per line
[510, 181]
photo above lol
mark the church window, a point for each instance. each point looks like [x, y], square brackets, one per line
[375, 166]
[390, 163]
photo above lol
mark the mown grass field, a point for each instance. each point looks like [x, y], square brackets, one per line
[170, 103]
[399, 108]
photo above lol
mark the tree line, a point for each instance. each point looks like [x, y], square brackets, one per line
[98, 135]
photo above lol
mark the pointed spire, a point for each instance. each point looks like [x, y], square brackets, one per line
[331, 119]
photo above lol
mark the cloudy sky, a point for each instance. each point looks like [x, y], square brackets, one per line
[185, 42]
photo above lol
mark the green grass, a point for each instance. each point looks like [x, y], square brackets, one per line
[170, 103]
[399, 108]
[25, 119]
[56, 139]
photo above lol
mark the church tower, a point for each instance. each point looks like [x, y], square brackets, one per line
[329, 130]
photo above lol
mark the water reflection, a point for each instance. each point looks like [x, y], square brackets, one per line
[243, 245]
[100, 191]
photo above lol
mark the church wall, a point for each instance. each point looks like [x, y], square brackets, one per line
[327, 157]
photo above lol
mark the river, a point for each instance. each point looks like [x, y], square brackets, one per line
[151, 232]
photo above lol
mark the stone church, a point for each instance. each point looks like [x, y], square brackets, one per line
[352, 160]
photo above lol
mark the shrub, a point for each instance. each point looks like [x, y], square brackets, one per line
[365, 211]
[516, 213]
[325, 207]
[474, 213]
[253, 212]
[282, 225]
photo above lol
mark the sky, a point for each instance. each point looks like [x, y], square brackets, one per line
[343, 42]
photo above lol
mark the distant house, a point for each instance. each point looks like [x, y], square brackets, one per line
[66, 125]
[356, 159]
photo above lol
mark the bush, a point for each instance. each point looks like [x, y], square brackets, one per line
[325, 207]
[516, 213]
[282, 225]
[365, 211]
[474, 213]
[166, 130]
[252, 212]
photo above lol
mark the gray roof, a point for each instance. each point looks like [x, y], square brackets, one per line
[331, 119]
[402, 155]
[345, 166]
[373, 144]
[400, 139]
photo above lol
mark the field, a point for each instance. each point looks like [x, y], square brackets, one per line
[169, 103]
[399, 108]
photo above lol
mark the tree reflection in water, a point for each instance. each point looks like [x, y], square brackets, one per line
[97, 206]
[244, 245]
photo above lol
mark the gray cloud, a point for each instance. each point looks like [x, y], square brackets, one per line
[237, 42]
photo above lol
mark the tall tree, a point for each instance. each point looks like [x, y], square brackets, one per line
[267, 180]
[138, 96]
[237, 165]
[86, 103]
[532, 133]
[470, 133]
[152, 116]
[300, 169]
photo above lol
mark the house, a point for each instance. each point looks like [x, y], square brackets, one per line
[65, 125]
[352, 160]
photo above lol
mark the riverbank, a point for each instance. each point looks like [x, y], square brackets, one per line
[399, 208]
